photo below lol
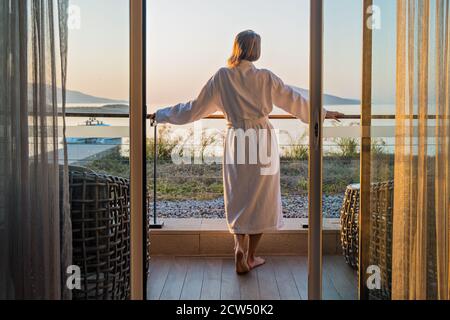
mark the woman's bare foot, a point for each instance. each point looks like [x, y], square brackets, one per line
[255, 262]
[241, 263]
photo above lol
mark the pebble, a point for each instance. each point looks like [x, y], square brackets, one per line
[293, 207]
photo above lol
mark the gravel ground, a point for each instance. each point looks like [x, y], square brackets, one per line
[293, 207]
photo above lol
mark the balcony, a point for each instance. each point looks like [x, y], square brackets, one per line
[193, 213]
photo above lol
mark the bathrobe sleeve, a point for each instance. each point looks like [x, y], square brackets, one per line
[206, 103]
[290, 100]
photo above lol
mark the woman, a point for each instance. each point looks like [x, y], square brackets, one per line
[246, 95]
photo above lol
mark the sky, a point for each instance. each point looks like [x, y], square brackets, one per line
[188, 40]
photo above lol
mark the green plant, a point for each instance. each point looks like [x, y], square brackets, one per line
[111, 162]
[378, 147]
[297, 150]
[302, 184]
[207, 139]
[165, 144]
[348, 147]
[182, 189]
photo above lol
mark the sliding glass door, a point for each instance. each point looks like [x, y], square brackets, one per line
[98, 145]
[342, 61]
[378, 146]
[181, 58]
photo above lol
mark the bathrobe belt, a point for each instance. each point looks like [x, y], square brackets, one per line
[247, 123]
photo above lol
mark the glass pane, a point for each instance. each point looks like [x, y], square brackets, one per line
[342, 92]
[99, 86]
[98, 145]
[181, 58]
[383, 144]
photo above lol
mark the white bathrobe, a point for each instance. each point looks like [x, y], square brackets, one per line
[246, 95]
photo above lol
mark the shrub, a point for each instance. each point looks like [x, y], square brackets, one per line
[348, 147]
[111, 163]
[297, 150]
[378, 146]
[207, 140]
[166, 144]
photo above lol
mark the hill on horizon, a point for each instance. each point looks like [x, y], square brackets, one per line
[77, 97]
[329, 99]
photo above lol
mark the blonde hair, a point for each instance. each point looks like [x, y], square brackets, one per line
[247, 46]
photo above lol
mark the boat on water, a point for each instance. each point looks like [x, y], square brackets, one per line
[93, 122]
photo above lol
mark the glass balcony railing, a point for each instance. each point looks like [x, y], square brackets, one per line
[193, 189]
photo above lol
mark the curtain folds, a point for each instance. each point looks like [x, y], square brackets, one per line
[421, 249]
[32, 253]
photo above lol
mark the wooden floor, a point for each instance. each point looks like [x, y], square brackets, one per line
[283, 278]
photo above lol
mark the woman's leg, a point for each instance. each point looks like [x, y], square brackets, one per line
[239, 254]
[252, 260]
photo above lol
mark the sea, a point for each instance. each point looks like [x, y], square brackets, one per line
[289, 132]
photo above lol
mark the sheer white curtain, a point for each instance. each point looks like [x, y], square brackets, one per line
[33, 254]
[421, 249]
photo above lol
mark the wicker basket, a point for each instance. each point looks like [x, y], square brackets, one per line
[381, 206]
[349, 225]
[100, 211]
[380, 233]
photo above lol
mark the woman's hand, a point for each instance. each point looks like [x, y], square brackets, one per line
[334, 115]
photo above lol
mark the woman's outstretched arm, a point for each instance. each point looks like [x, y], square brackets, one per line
[206, 103]
[291, 101]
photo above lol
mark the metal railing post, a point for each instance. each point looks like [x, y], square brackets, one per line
[155, 224]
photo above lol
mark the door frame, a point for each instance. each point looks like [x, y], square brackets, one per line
[365, 154]
[138, 163]
[138, 116]
[315, 152]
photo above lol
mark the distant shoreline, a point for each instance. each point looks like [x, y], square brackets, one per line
[74, 97]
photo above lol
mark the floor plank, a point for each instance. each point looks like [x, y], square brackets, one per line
[230, 281]
[215, 278]
[212, 279]
[285, 280]
[329, 291]
[299, 269]
[268, 287]
[192, 288]
[175, 280]
[249, 286]
[347, 271]
[339, 274]
[159, 270]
